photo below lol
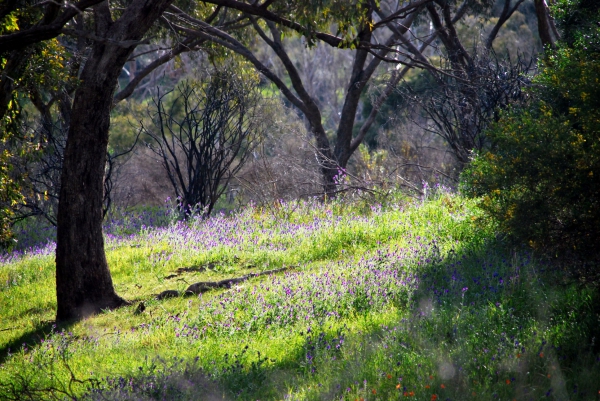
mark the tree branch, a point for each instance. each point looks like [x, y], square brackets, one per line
[215, 35]
[88, 35]
[507, 12]
[185, 46]
[38, 33]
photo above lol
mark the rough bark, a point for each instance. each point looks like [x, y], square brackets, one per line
[83, 281]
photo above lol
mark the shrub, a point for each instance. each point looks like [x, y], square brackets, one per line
[540, 180]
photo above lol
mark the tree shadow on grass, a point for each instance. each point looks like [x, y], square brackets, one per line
[317, 361]
[32, 338]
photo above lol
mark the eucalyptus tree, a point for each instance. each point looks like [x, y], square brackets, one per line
[398, 32]
[83, 281]
[109, 34]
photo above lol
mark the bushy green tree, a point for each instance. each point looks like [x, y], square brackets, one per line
[541, 179]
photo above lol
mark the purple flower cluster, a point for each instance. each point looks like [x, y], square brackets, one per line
[338, 290]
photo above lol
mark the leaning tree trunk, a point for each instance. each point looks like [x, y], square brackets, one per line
[83, 281]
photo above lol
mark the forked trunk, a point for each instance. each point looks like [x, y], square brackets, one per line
[83, 282]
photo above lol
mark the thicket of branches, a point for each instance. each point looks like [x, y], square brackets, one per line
[203, 133]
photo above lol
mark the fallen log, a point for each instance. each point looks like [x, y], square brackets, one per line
[203, 286]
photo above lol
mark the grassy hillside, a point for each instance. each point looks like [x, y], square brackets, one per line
[414, 299]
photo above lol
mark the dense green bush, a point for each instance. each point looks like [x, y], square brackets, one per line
[540, 181]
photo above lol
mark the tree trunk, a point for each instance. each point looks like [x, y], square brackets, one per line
[83, 282]
[544, 23]
[326, 159]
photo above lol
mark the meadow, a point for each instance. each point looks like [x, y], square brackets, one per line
[407, 299]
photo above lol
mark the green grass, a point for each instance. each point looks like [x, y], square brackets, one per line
[413, 300]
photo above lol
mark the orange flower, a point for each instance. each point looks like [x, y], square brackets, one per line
[427, 386]
[433, 397]
[406, 394]
[507, 381]
[473, 393]
[389, 376]
[397, 386]
[518, 355]
[548, 376]
[412, 393]
[541, 354]
[430, 377]
[374, 391]
[442, 386]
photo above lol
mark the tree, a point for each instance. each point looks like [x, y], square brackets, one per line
[47, 76]
[272, 25]
[41, 171]
[10, 187]
[463, 104]
[546, 27]
[205, 136]
[460, 110]
[15, 76]
[24, 30]
[83, 281]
